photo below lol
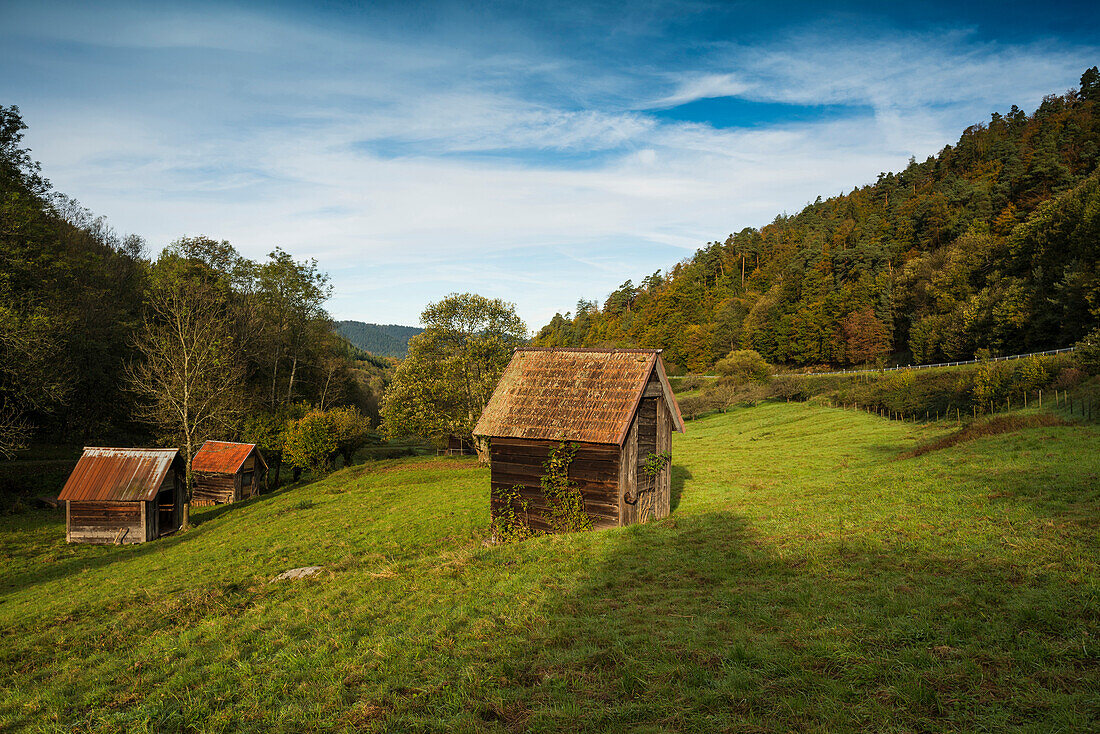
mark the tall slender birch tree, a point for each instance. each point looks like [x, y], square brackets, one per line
[190, 375]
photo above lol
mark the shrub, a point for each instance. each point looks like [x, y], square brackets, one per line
[1067, 378]
[742, 366]
[695, 406]
[1031, 373]
[351, 429]
[914, 393]
[991, 382]
[689, 383]
[1088, 352]
[723, 396]
[509, 526]
[654, 464]
[789, 388]
[266, 430]
[901, 379]
[311, 441]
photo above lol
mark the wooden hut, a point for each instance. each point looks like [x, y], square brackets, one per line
[225, 472]
[123, 495]
[617, 407]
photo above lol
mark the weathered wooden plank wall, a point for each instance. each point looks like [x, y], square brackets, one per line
[101, 522]
[253, 470]
[664, 443]
[646, 492]
[628, 477]
[218, 487]
[212, 488]
[651, 433]
[595, 469]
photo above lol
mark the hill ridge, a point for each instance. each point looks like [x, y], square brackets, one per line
[383, 340]
[990, 244]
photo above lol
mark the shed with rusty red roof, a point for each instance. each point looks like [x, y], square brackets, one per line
[614, 405]
[117, 495]
[227, 472]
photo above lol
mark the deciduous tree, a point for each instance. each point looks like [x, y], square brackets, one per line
[452, 367]
[189, 374]
[292, 295]
[865, 337]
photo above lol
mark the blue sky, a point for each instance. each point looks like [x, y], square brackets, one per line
[536, 152]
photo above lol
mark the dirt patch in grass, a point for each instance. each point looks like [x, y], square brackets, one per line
[992, 427]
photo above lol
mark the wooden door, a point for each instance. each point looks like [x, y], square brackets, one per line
[647, 500]
[664, 446]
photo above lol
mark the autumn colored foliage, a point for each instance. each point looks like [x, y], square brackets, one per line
[992, 244]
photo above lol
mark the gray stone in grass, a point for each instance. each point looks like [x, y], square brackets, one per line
[298, 573]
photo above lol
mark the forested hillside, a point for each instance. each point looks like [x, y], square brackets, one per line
[383, 340]
[994, 244]
[100, 342]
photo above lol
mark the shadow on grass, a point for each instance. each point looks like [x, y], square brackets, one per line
[206, 515]
[699, 624]
[89, 557]
[680, 475]
[93, 556]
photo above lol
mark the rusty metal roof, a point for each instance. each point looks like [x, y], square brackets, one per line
[587, 395]
[118, 475]
[223, 457]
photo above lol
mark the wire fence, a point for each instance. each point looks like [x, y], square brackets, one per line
[896, 368]
[1083, 404]
[899, 367]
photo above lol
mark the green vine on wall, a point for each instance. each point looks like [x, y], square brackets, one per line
[565, 505]
[509, 526]
[655, 463]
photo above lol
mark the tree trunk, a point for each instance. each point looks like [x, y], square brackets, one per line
[324, 390]
[274, 382]
[186, 524]
[277, 459]
[481, 444]
[290, 386]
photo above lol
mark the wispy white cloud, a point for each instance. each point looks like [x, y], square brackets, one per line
[890, 69]
[695, 86]
[411, 169]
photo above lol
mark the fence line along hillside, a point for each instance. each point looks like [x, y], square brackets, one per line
[899, 367]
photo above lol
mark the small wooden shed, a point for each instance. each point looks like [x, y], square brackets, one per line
[123, 495]
[225, 472]
[616, 405]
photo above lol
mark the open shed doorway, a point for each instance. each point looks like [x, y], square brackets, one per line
[167, 518]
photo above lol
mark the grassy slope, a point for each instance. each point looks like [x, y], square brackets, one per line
[806, 579]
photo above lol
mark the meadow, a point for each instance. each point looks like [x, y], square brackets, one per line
[814, 575]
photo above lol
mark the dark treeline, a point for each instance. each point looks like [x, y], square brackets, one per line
[992, 244]
[87, 319]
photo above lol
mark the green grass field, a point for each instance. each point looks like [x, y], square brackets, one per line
[808, 579]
